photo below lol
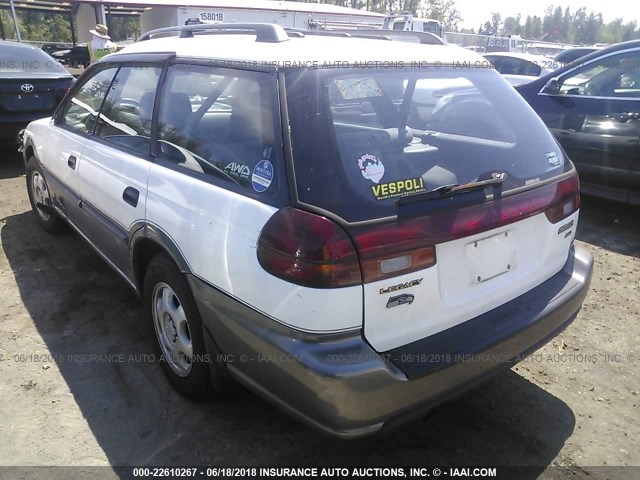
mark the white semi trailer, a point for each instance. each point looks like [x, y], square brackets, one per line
[307, 16]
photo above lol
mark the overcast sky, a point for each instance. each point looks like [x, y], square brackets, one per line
[476, 12]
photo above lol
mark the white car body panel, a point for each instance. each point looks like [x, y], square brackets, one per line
[105, 172]
[217, 232]
[450, 293]
[53, 147]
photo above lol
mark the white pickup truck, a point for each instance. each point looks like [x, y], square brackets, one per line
[406, 22]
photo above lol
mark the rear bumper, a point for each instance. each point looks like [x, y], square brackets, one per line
[339, 384]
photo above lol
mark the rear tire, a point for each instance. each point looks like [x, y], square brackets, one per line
[178, 331]
[38, 190]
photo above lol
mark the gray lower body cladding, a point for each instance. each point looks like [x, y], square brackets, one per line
[339, 384]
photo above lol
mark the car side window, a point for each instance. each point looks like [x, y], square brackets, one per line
[223, 124]
[81, 111]
[125, 118]
[615, 76]
[514, 66]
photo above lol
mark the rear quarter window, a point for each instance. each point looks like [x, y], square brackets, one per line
[223, 125]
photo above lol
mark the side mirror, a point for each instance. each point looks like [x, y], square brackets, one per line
[552, 87]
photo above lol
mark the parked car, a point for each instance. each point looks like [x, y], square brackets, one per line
[50, 48]
[519, 67]
[593, 109]
[355, 244]
[31, 85]
[76, 56]
[572, 54]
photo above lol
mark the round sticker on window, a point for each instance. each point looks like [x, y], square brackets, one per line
[262, 176]
[371, 168]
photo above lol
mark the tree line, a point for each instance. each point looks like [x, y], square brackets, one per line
[557, 25]
[37, 26]
[564, 26]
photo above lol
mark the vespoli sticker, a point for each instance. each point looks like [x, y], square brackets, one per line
[262, 176]
[400, 188]
[371, 168]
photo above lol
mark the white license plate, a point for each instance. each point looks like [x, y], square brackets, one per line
[491, 257]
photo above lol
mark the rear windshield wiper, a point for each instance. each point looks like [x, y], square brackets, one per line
[452, 190]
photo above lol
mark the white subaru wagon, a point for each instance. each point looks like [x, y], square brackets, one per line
[354, 228]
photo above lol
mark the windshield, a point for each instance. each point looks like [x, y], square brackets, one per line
[379, 136]
[18, 60]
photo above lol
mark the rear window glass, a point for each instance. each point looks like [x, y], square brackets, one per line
[362, 141]
[18, 59]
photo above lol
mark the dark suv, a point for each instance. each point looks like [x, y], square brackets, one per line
[592, 106]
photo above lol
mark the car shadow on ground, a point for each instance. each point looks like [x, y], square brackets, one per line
[11, 165]
[610, 225]
[81, 308]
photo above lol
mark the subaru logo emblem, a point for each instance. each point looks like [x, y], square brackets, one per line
[26, 87]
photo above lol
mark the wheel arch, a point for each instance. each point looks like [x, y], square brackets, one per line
[29, 150]
[148, 241]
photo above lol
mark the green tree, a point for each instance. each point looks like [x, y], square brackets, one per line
[512, 26]
[560, 26]
[123, 27]
[38, 26]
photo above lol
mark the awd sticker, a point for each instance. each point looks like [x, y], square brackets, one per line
[371, 168]
[262, 176]
[400, 188]
[238, 170]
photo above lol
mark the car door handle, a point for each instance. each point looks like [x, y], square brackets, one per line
[131, 196]
[71, 162]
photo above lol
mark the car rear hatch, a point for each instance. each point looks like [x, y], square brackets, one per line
[456, 197]
[24, 94]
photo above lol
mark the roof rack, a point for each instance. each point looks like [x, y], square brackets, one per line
[264, 32]
[424, 38]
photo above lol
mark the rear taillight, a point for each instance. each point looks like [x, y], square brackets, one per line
[568, 200]
[410, 243]
[308, 250]
[395, 249]
[311, 250]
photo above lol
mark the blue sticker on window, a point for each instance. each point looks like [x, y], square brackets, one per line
[262, 176]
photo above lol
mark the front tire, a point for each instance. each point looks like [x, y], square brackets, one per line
[177, 326]
[40, 199]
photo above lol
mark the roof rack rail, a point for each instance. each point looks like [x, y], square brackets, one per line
[264, 32]
[300, 32]
[424, 38]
